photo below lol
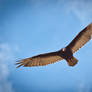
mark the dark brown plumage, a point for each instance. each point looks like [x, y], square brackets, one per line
[65, 53]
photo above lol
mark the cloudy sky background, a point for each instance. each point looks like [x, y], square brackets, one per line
[30, 27]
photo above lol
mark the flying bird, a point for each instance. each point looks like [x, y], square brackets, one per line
[65, 53]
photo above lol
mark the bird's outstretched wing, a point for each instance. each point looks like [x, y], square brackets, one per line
[40, 60]
[81, 39]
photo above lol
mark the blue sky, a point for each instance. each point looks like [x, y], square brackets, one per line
[30, 27]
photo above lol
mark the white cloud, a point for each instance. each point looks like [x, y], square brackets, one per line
[81, 8]
[5, 56]
[82, 87]
[6, 86]
[4, 52]
[3, 71]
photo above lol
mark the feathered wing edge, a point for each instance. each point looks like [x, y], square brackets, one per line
[40, 60]
[81, 39]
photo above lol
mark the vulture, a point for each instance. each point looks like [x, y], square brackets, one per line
[65, 53]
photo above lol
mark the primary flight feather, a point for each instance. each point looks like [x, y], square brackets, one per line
[65, 53]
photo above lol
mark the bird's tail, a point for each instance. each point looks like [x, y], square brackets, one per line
[72, 61]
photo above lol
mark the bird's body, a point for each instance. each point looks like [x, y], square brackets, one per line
[65, 53]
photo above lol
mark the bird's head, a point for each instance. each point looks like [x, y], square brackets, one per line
[63, 49]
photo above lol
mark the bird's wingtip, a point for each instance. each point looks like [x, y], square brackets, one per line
[19, 63]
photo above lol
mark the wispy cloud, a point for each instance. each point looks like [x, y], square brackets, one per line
[82, 9]
[5, 56]
[82, 87]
